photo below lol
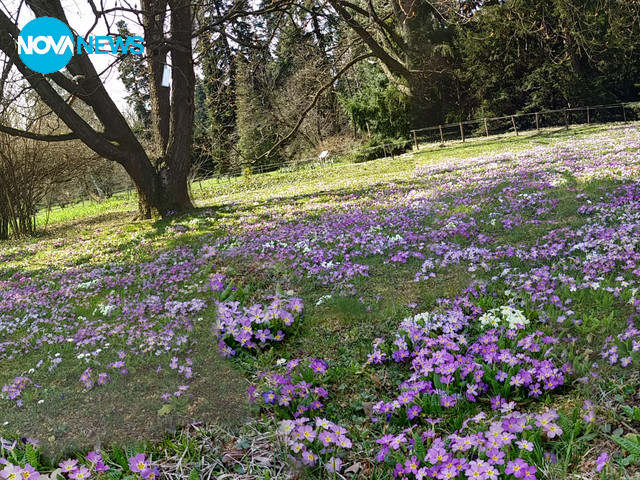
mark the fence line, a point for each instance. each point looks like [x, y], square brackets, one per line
[625, 109]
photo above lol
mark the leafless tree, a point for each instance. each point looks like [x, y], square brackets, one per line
[160, 170]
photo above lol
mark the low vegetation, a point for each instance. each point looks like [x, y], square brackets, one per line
[465, 312]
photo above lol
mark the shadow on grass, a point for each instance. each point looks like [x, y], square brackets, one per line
[126, 413]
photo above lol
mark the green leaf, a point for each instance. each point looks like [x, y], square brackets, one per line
[165, 410]
[32, 456]
[630, 446]
[565, 423]
[627, 410]
[243, 444]
[587, 438]
[419, 447]
[226, 292]
[119, 456]
[626, 461]
[194, 475]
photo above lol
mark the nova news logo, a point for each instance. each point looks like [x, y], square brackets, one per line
[46, 45]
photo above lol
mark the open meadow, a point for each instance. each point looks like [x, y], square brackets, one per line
[459, 312]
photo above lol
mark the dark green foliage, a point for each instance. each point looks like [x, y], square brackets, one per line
[378, 147]
[518, 56]
[257, 133]
[378, 108]
[215, 99]
[134, 76]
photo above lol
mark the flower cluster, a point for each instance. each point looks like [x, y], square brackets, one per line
[448, 365]
[624, 349]
[314, 442]
[505, 315]
[91, 466]
[294, 393]
[255, 326]
[13, 390]
[506, 445]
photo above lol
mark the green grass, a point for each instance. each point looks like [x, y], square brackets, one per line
[340, 330]
[218, 192]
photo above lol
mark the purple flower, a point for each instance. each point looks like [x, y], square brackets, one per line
[94, 457]
[269, 397]
[309, 458]
[81, 473]
[516, 468]
[334, 464]
[150, 473]
[138, 463]
[476, 470]
[29, 473]
[68, 465]
[601, 461]
[413, 411]
[318, 366]
[525, 445]
[11, 472]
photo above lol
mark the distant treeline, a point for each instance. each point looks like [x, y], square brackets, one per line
[316, 75]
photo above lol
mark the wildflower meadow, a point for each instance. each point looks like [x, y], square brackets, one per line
[459, 313]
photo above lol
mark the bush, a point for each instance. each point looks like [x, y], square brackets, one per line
[378, 147]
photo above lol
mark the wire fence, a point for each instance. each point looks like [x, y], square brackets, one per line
[520, 122]
[429, 136]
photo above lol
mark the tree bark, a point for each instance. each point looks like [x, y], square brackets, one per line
[160, 174]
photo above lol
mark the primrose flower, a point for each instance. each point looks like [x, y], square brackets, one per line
[309, 458]
[150, 473]
[525, 445]
[138, 463]
[11, 472]
[30, 473]
[318, 366]
[602, 461]
[516, 468]
[69, 466]
[334, 464]
[81, 473]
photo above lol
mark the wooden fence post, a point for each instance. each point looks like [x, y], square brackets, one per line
[441, 135]
[513, 121]
[384, 149]
[537, 122]
[415, 140]
[588, 117]
[462, 132]
[486, 127]
[566, 121]
[624, 113]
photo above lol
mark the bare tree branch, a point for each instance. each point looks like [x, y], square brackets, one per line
[283, 141]
[36, 136]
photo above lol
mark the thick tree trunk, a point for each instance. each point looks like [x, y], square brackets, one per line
[160, 173]
[161, 192]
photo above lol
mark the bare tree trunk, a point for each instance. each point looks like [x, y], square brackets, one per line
[160, 174]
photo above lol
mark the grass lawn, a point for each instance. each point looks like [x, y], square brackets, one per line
[393, 307]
